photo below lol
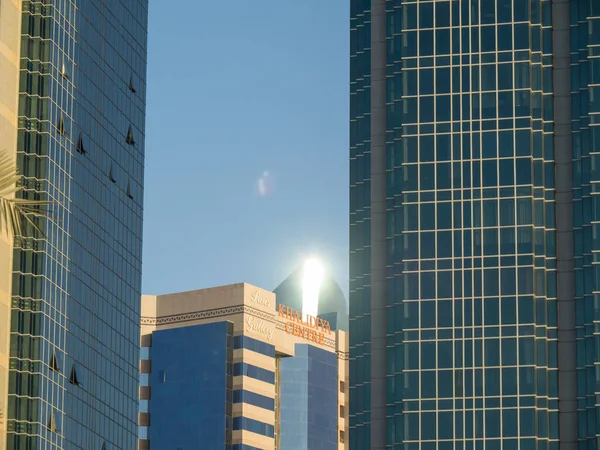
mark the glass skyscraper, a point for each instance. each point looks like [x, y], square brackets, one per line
[474, 233]
[78, 115]
[308, 400]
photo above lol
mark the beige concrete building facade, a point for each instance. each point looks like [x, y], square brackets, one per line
[10, 42]
[253, 313]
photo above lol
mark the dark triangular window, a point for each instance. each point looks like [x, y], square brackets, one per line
[73, 377]
[54, 362]
[110, 174]
[129, 189]
[129, 138]
[131, 85]
[52, 423]
[80, 147]
[63, 71]
[104, 446]
[60, 127]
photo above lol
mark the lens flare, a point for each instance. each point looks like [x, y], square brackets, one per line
[264, 184]
[311, 286]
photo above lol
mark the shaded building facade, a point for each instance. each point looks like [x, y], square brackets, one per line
[473, 145]
[229, 368]
[72, 115]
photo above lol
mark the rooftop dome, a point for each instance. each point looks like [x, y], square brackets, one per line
[331, 297]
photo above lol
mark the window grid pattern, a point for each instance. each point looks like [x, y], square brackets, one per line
[309, 399]
[585, 96]
[360, 222]
[246, 395]
[192, 387]
[76, 292]
[472, 353]
[144, 405]
[471, 226]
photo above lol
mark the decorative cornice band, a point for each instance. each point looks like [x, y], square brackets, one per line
[258, 313]
[223, 312]
[207, 314]
[198, 315]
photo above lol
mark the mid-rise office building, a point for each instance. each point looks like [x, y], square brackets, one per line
[473, 220]
[72, 116]
[230, 368]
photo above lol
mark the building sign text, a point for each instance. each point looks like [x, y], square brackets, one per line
[260, 300]
[308, 327]
[259, 326]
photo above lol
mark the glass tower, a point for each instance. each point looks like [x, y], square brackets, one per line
[75, 305]
[191, 392]
[473, 223]
[308, 400]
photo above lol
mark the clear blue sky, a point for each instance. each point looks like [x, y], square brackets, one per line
[237, 89]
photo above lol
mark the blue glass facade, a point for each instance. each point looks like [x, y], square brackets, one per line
[488, 224]
[191, 385]
[585, 109]
[75, 315]
[254, 345]
[309, 400]
[254, 399]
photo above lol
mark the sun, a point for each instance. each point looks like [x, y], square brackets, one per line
[311, 286]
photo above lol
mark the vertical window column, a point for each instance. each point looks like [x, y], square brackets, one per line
[144, 391]
[229, 390]
[277, 408]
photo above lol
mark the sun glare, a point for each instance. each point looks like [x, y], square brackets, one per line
[311, 285]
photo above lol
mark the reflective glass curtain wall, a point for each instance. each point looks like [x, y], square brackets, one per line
[309, 399]
[191, 385]
[76, 292]
[585, 107]
[360, 222]
[471, 356]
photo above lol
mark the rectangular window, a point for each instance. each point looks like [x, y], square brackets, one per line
[252, 398]
[342, 386]
[255, 426]
[254, 345]
[342, 411]
[342, 436]
[258, 373]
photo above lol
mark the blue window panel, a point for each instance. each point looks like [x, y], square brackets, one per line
[309, 399]
[252, 398]
[254, 345]
[258, 373]
[254, 426]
